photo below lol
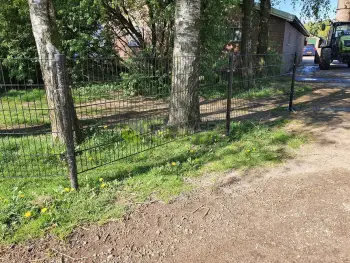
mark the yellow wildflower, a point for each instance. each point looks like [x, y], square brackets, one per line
[28, 214]
[43, 210]
[173, 164]
[103, 185]
[101, 180]
[72, 189]
[67, 189]
[105, 127]
[21, 196]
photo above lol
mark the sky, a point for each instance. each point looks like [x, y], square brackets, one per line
[286, 6]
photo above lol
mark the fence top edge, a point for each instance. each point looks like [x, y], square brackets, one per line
[36, 59]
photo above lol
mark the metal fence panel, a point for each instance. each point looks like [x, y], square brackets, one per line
[123, 106]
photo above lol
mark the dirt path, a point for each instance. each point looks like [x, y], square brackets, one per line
[296, 212]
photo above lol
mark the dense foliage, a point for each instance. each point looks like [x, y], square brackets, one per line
[315, 28]
[90, 28]
[81, 29]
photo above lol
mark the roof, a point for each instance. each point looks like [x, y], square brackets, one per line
[294, 20]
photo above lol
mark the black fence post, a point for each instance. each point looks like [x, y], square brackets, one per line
[229, 94]
[64, 108]
[292, 88]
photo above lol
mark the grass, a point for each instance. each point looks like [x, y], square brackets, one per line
[29, 107]
[262, 90]
[29, 208]
[23, 107]
[274, 90]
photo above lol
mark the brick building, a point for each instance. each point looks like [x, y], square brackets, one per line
[286, 33]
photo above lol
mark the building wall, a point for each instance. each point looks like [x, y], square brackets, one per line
[293, 41]
[276, 33]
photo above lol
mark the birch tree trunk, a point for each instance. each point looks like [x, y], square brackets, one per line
[42, 16]
[184, 99]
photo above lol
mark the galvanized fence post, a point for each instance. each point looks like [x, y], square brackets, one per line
[292, 89]
[64, 108]
[229, 94]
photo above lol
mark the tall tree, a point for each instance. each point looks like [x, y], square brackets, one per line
[263, 37]
[247, 43]
[315, 28]
[247, 27]
[42, 15]
[314, 8]
[216, 25]
[80, 25]
[16, 40]
[184, 100]
[148, 23]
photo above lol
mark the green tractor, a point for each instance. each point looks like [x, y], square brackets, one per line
[337, 46]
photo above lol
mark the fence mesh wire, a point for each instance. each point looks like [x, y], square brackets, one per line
[125, 106]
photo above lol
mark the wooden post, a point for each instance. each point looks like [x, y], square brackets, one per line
[66, 118]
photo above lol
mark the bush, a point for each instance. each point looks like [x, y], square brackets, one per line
[147, 76]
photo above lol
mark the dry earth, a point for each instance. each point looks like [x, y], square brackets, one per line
[295, 212]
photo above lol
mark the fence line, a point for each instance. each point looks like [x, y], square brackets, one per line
[122, 107]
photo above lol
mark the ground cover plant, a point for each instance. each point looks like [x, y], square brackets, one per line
[29, 208]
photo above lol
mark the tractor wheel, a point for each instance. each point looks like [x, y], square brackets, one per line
[317, 58]
[326, 58]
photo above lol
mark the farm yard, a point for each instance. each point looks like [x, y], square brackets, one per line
[173, 131]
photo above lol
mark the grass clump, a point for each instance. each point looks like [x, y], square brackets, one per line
[29, 208]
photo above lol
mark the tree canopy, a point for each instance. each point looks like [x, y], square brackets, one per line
[79, 23]
[315, 28]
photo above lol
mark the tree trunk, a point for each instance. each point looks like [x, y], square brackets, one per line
[246, 44]
[184, 100]
[263, 38]
[343, 11]
[47, 40]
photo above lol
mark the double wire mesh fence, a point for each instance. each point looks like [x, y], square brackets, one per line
[95, 111]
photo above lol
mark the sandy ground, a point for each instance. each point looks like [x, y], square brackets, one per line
[295, 212]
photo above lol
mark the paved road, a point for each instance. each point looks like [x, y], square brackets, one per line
[310, 72]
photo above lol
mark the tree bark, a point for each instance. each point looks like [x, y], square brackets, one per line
[263, 38]
[343, 11]
[247, 23]
[184, 99]
[246, 44]
[47, 40]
